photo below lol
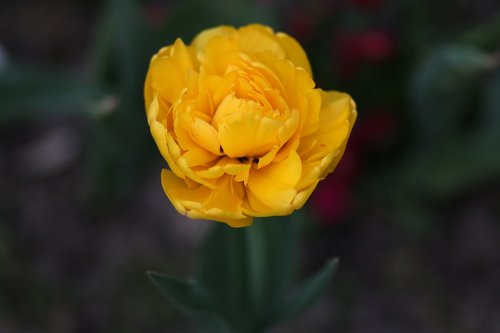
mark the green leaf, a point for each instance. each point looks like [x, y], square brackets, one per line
[189, 296]
[453, 166]
[243, 275]
[443, 87]
[310, 291]
[27, 93]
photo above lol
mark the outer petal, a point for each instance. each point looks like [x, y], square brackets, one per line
[335, 122]
[201, 202]
[302, 196]
[275, 184]
[257, 38]
[148, 92]
[169, 73]
[159, 134]
[203, 38]
[294, 52]
[321, 151]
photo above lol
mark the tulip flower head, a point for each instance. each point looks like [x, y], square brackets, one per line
[239, 121]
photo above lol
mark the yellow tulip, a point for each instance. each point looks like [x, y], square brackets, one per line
[243, 129]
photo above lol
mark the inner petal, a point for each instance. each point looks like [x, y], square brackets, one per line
[246, 128]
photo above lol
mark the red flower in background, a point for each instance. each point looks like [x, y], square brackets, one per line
[355, 48]
[332, 202]
[376, 130]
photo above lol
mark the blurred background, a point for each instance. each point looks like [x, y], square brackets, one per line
[413, 210]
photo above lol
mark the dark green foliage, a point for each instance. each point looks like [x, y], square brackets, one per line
[244, 278]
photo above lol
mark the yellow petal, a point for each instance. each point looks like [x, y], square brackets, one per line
[301, 197]
[311, 172]
[219, 53]
[218, 87]
[203, 38]
[311, 118]
[182, 197]
[205, 135]
[235, 223]
[336, 107]
[248, 134]
[182, 162]
[294, 52]
[335, 121]
[169, 73]
[299, 89]
[159, 134]
[225, 165]
[225, 201]
[148, 91]
[275, 185]
[257, 38]
[201, 202]
[254, 207]
[246, 128]
[335, 159]
[197, 156]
